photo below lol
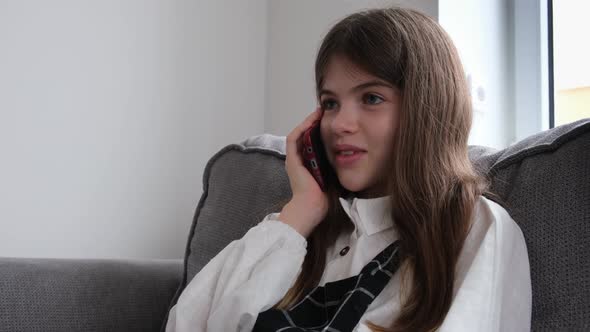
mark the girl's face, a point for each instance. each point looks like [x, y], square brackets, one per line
[362, 110]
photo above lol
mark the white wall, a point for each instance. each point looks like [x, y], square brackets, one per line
[109, 111]
[481, 31]
[296, 31]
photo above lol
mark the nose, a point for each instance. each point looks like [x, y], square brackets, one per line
[345, 120]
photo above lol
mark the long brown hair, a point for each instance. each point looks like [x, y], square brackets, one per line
[432, 183]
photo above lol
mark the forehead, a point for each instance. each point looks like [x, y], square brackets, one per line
[342, 72]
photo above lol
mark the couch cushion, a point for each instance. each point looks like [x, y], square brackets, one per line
[543, 181]
[241, 185]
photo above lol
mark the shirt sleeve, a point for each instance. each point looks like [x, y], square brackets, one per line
[493, 285]
[247, 277]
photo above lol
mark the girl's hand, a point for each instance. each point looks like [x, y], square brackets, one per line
[309, 204]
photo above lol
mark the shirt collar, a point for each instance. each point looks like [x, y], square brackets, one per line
[373, 215]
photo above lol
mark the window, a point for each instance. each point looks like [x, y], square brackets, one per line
[569, 51]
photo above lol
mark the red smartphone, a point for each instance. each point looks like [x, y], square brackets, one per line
[314, 154]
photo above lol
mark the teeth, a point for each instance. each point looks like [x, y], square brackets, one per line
[348, 153]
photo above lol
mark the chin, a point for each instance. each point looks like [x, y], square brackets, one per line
[361, 188]
[352, 185]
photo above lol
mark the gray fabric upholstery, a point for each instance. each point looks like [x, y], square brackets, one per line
[543, 181]
[242, 184]
[86, 295]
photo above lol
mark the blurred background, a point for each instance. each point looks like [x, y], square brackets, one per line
[110, 109]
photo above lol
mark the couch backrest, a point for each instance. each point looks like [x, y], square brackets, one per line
[543, 181]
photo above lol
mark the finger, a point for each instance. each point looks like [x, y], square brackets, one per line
[312, 117]
[298, 130]
[292, 149]
[294, 138]
[309, 120]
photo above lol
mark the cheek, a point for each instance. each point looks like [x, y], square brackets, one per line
[385, 127]
[382, 137]
[325, 132]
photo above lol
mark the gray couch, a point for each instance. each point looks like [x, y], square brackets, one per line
[543, 181]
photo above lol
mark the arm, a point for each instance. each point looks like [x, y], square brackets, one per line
[247, 277]
[493, 285]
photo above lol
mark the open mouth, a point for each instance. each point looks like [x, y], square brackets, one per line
[349, 158]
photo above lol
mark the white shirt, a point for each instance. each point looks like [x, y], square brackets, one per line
[492, 281]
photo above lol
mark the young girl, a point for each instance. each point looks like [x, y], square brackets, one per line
[403, 238]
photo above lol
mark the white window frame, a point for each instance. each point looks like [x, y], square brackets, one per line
[531, 67]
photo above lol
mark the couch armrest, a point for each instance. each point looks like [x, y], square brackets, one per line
[46, 294]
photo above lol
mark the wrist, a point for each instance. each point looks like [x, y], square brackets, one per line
[289, 216]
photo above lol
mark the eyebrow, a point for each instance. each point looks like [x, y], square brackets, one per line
[359, 87]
